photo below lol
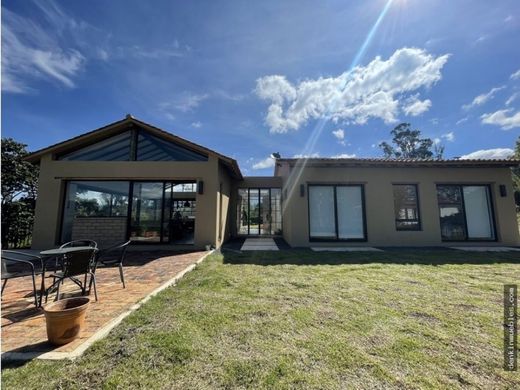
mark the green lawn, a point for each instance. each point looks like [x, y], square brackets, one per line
[298, 319]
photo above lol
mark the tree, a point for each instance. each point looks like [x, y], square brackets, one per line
[19, 185]
[407, 143]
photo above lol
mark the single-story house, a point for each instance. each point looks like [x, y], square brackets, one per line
[131, 180]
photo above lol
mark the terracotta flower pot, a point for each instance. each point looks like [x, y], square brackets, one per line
[65, 319]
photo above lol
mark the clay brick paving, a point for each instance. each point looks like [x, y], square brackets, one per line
[23, 325]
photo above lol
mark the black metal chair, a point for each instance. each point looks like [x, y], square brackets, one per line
[75, 243]
[112, 256]
[75, 264]
[19, 264]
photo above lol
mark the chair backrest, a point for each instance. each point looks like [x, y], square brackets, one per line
[75, 243]
[78, 262]
[113, 253]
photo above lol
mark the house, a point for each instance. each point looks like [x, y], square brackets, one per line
[132, 180]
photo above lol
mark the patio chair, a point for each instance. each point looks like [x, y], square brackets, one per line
[19, 264]
[112, 256]
[74, 243]
[75, 264]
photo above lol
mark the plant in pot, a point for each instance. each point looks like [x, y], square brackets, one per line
[65, 319]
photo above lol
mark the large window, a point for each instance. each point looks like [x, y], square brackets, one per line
[152, 148]
[131, 145]
[336, 212]
[465, 212]
[116, 148]
[406, 207]
[92, 199]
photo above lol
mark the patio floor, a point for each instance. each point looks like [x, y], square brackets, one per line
[23, 325]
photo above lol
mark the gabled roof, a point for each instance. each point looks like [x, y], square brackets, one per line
[119, 126]
[392, 162]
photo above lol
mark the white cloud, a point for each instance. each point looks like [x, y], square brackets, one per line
[499, 153]
[512, 98]
[343, 155]
[184, 103]
[30, 52]
[502, 119]
[450, 137]
[340, 136]
[197, 125]
[462, 120]
[312, 155]
[372, 91]
[415, 107]
[516, 75]
[483, 98]
[264, 164]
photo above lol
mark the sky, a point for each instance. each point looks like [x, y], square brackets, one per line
[249, 78]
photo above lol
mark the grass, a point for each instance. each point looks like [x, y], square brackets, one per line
[298, 319]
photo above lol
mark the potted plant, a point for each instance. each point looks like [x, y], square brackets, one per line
[65, 319]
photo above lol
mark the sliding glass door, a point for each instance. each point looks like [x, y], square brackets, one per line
[259, 211]
[336, 212]
[465, 212]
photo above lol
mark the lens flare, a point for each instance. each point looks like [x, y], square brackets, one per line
[296, 173]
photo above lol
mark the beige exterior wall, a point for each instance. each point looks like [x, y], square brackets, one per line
[54, 173]
[379, 203]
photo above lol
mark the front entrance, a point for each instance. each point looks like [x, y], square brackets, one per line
[259, 211]
[163, 212]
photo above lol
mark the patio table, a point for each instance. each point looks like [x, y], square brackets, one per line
[58, 252]
[64, 251]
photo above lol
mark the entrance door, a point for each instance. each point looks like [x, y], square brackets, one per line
[259, 211]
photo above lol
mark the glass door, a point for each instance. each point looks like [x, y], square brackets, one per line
[147, 208]
[163, 212]
[259, 211]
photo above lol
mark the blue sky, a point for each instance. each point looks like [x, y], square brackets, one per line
[250, 78]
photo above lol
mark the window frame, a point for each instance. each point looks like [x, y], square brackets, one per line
[491, 205]
[64, 194]
[336, 225]
[418, 227]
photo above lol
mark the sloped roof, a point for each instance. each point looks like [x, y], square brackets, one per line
[116, 127]
[400, 162]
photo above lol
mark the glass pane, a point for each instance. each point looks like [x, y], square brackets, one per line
[86, 200]
[321, 211]
[152, 148]
[167, 212]
[145, 222]
[276, 211]
[184, 208]
[254, 211]
[478, 214]
[116, 148]
[452, 223]
[406, 207]
[242, 213]
[350, 212]
[265, 216]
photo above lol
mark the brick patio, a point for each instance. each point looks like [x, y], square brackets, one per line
[23, 325]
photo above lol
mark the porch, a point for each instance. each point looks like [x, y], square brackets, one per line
[23, 326]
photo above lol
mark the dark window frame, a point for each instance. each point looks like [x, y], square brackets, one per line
[491, 204]
[418, 227]
[336, 238]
